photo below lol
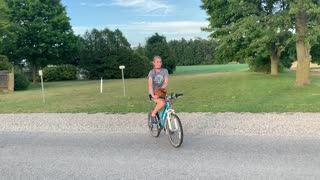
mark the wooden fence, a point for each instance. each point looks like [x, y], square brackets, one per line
[6, 81]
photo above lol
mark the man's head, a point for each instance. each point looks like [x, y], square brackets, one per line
[157, 62]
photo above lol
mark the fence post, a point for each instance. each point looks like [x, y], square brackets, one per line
[11, 82]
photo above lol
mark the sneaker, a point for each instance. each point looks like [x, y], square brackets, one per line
[153, 120]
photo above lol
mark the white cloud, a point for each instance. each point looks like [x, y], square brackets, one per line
[171, 27]
[145, 5]
[102, 4]
[137, 32]
[83, 4]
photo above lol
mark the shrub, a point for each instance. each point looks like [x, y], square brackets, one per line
[68, 72]
[20, 82]
[262, 64]
[60, 73]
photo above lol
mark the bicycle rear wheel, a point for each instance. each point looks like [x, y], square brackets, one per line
[175, 136]
[155, 132]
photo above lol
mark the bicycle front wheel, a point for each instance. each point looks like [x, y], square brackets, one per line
[176, 132]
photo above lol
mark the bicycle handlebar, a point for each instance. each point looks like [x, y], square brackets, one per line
[173, 96]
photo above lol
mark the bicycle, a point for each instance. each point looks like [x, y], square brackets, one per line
[169, 122]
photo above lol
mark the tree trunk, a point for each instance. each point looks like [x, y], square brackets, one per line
[303, 50]
[274, 64]
[303, 66]
[275, 59]
[34, 74]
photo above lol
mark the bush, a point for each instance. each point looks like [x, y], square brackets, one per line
[20, 82]
[60, 73]
[262, 64]
[4, 63]
[50, 74]
[137, 66]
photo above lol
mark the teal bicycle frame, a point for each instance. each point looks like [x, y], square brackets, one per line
[163, 114]
[167, 121]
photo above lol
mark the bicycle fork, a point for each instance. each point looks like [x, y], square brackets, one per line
[172, 124]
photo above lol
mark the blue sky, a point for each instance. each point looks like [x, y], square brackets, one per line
[139, 19]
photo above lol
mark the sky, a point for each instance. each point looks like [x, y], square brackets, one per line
[139, 19]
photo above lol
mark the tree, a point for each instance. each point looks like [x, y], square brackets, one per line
[315, 53]
[179, 49]
[140, 50]
[43, 32]
[103, 51]
[306, 15]
[193, 52]
[137, 66]
[157, 45]
[247, 29]
[4, 63]
[5, 31]
[4, 21]
[70, 54]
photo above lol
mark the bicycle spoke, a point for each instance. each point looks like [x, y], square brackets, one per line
[176, 137]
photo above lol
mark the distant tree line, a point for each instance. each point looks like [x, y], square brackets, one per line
[37, 33]
[193, 52]
[186, 52]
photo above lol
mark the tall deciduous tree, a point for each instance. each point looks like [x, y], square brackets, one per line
[307, 26]
[157, 45]
[249, 28]
[43, 32]
[104, 50]
[4, 20]
[140, 50]
[4, 24]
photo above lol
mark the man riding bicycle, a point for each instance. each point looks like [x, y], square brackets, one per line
[158, 78]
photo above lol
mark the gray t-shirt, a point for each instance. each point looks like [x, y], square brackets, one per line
[158, 77]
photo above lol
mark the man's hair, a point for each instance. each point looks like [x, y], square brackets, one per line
[156, 57]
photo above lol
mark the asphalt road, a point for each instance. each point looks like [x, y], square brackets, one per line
[31, 155]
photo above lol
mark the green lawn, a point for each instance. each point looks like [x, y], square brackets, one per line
[211, 92]
[199, 69]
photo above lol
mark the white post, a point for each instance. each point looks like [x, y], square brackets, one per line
[41, 76]
[101, 86]
[123, 84]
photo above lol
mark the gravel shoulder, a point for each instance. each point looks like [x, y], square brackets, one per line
[195, 124]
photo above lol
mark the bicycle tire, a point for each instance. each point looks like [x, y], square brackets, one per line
[180, 132]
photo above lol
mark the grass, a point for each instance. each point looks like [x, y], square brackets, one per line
[184, 70]
[238, 91]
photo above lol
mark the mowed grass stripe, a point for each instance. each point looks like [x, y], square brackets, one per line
[212, 92]
[200, 69]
